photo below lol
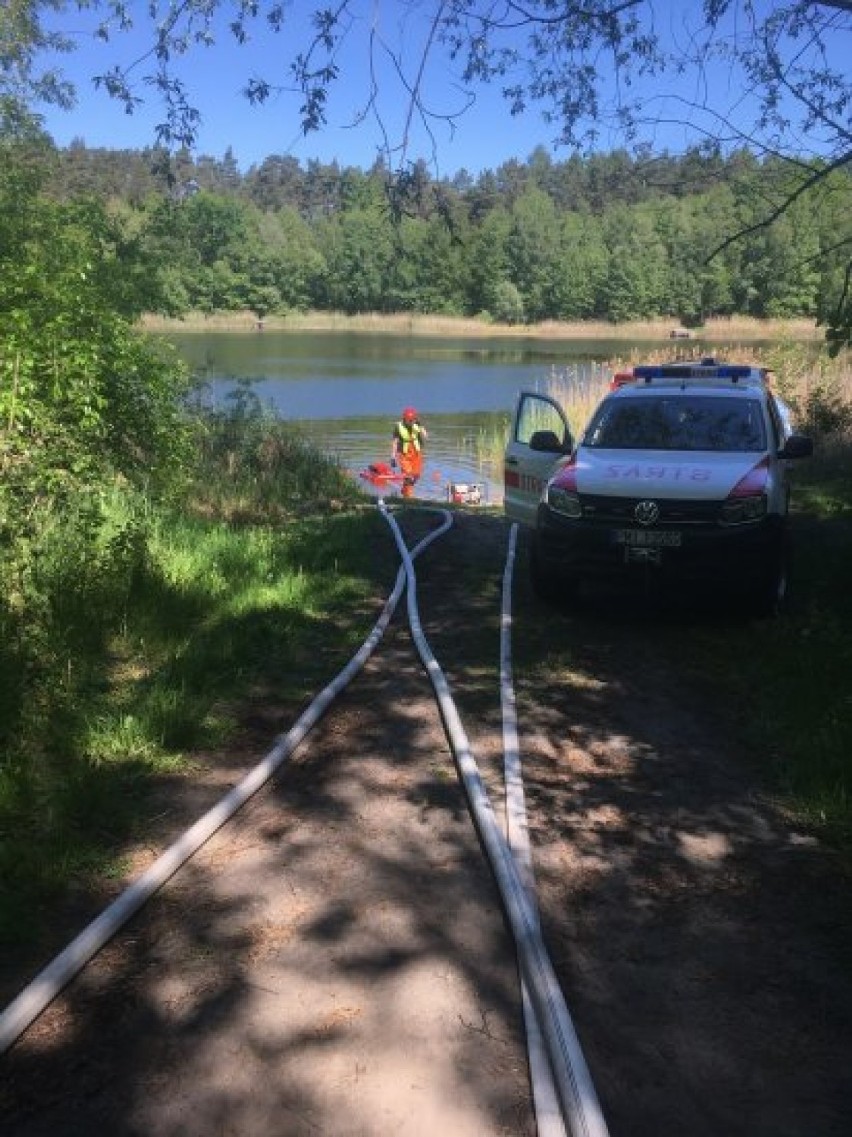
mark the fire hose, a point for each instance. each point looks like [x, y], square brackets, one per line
[568, 1079]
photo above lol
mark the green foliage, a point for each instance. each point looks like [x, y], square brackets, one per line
[488, 262]
[358, 249]
[534, 253]
[129, 623]
[83, 397]
[825, 412]
[90, 411]
[507, 304]
[428, 272]
[252, 465]
[819, 390]
[25, 76]
[142, 649]
[584, 261]
[593, 239]
[583, 239]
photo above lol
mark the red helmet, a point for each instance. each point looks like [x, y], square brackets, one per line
[409, 414]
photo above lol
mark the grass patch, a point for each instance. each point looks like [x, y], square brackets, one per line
[130, 645]
[786, 680]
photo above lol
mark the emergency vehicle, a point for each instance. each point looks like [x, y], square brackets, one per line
[680, 477]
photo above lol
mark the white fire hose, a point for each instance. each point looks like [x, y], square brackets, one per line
[30, 1003]
[578, 1098]
[570, 1076]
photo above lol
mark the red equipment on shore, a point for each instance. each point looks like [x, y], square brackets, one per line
[381, 474]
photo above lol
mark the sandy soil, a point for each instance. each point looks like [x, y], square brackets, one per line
[335, 962]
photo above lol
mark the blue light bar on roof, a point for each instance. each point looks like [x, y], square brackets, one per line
[732, 371]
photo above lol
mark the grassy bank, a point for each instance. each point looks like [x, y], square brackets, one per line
[739, 329]
[130, 655]
[786, 680]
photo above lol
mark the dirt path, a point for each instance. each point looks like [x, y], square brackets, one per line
[334, 961]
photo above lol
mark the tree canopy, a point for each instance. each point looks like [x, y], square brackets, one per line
[607, 237]
[770, 76]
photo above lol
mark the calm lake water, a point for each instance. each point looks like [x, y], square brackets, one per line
[346, 390]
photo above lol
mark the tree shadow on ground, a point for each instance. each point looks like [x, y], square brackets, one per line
[701, 937]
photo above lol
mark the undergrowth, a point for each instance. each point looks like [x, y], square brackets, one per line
[130, 629]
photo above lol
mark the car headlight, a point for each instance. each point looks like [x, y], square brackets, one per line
[739, 510]
[563, 501]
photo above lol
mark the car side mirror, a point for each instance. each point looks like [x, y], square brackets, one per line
[548, 442]
[797, 446]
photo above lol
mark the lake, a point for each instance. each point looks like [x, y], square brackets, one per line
[347, 389]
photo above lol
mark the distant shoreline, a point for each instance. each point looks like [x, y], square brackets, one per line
[736, 329]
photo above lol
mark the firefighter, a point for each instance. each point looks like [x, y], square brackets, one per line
[407, 449]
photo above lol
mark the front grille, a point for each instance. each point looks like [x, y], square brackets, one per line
[620, 510]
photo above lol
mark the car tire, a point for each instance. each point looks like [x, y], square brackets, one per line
[771, 589]
[548, 585]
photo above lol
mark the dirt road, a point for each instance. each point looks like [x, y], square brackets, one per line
[334, 961]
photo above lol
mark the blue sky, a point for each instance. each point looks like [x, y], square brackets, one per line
[485, 135]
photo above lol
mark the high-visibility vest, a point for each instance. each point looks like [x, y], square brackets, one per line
[410, 436]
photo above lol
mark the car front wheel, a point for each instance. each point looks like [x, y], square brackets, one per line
[551, 587]
[770, 590]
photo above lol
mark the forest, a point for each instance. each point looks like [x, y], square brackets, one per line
[608, 237]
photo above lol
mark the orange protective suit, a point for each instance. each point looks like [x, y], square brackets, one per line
[408, 438]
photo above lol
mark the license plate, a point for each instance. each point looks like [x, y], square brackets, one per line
[647, 538]
[642, 555]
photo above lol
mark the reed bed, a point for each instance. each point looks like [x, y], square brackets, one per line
[742, 329]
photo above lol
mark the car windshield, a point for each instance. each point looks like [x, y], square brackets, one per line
[682, 422]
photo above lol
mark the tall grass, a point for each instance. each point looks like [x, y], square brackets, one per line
[135, 631]
[722, 330]
[254, 466]
[818, 388]
[577, 390]
[579, 393]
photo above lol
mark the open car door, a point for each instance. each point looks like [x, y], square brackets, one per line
[539, 441]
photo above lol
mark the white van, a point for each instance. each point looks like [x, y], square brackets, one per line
[681, 476]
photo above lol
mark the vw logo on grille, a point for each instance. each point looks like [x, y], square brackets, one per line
[647, 512]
